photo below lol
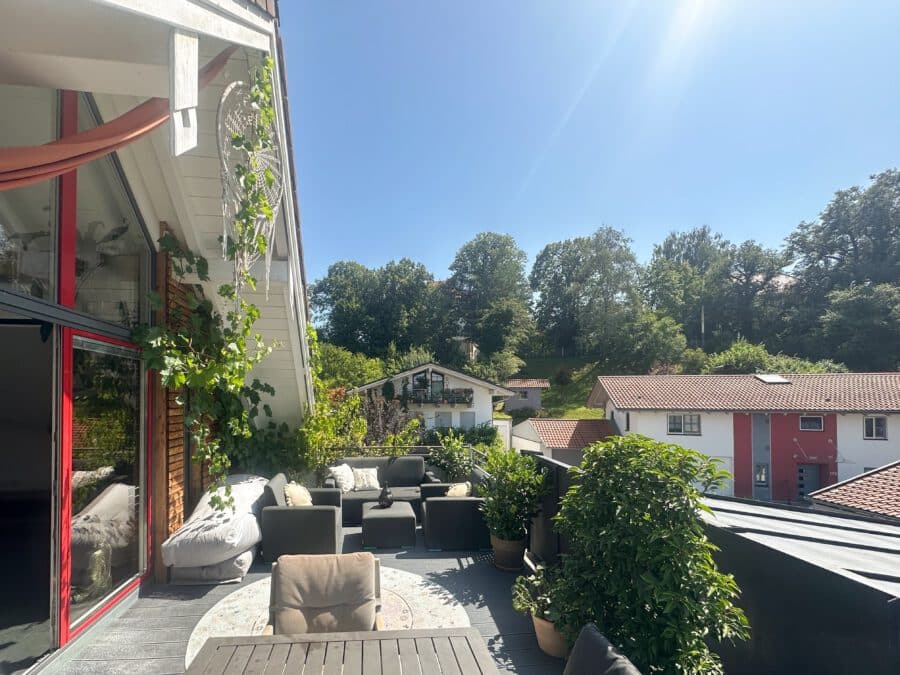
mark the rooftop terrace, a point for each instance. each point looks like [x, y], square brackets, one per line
[151, 635]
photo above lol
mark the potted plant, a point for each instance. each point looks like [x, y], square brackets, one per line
[534, 594]
[511, 490]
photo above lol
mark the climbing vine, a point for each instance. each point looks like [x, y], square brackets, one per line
[207, 356]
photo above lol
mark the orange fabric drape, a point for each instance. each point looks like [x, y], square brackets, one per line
[24, 165]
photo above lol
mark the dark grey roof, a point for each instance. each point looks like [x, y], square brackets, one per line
[854, 547]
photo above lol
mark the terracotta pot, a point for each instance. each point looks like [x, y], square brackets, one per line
[508, 553]
[550, 640]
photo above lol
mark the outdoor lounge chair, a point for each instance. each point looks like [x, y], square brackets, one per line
[324, 594]
[452, 523]
[593, 654]
[292, 530]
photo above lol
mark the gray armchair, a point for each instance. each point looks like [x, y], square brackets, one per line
[291, 530]
[452, 523]
[324, 594]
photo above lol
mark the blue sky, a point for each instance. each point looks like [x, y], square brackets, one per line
[419, 124]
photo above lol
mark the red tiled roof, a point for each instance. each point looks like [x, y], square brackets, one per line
[577, 434]
[528, 382]
[835, 392]
[876, 492]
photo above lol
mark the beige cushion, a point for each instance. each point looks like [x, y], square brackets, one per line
[323, 593]
[365, 479]
[296, 495]
[343, 476]
[460, 490]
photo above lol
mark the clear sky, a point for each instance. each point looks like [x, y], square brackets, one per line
[418, 124]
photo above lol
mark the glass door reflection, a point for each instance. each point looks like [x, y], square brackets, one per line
[107, 472]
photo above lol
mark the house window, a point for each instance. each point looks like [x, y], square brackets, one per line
[875, 428]
[437, 385]
[689, 425]
[466, 420]
[811, 423]
[523, 393]
[761, 475]
[627, 421]
[443, 420]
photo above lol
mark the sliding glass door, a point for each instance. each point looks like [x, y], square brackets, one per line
[107, 472]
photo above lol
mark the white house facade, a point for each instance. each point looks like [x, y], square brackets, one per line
[780, 436]
[442, 397]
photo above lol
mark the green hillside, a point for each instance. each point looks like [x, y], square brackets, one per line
[566, 400]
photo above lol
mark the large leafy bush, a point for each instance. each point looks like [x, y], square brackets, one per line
[639, 564]
[453, 457]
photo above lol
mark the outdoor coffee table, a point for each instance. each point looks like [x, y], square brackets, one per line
[428, 651]
[392, 527]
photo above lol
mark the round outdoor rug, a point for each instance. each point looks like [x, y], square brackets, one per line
[407, 601]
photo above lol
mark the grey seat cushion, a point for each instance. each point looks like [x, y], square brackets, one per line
[352, 502]
[593, 654]
[323, 593]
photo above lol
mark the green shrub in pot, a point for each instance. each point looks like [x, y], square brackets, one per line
[511, 490]
[639, 564]
[534, 594]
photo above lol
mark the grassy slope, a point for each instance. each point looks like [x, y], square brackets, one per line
[566, 400]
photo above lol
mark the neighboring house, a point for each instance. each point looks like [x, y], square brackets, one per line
[562, 440]
[873, 493]
[528, 393]
[443, 397]
[108, 139]
[781, 437]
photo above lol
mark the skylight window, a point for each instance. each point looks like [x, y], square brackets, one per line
[771, 379]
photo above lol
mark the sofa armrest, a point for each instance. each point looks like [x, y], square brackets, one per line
[326, 496]
[430, 478]
[454, 523]
[291, 530]
[430, 490]
[330, 482]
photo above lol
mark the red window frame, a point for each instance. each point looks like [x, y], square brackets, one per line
[67, 236]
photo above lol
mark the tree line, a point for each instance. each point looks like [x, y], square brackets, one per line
[831, 293]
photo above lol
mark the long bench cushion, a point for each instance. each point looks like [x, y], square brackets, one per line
[209, 536]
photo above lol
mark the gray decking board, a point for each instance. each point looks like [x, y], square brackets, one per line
[144, 638]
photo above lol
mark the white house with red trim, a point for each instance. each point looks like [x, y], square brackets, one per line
[108, 138]
[780, 436]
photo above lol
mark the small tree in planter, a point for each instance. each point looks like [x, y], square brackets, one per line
[511, 491]
[452, 457]
[534, 594]
[639, 564]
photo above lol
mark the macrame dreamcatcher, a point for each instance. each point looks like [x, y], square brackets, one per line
[237, 114]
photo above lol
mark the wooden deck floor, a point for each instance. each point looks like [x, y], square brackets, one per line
[151, 636]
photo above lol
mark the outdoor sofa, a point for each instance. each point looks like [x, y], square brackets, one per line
[292, 530]
[405, 476]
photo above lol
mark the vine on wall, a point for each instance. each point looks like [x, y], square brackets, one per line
[212, 356]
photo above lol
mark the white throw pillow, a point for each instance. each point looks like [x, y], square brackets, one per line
[343, 476]
[296, 495]
[460, 490]
[365, 479]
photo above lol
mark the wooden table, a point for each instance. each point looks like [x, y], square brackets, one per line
[448, 651]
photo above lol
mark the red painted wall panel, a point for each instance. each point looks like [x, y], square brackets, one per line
[791, 447]
[743, 455]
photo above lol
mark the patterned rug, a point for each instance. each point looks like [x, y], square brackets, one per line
[407, 601]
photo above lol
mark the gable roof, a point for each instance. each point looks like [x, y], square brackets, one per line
[833, 392]
[529, 383]
[875, 492]
[574, 434]
[496, 389]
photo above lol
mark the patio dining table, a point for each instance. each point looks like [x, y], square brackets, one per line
[444, 651]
